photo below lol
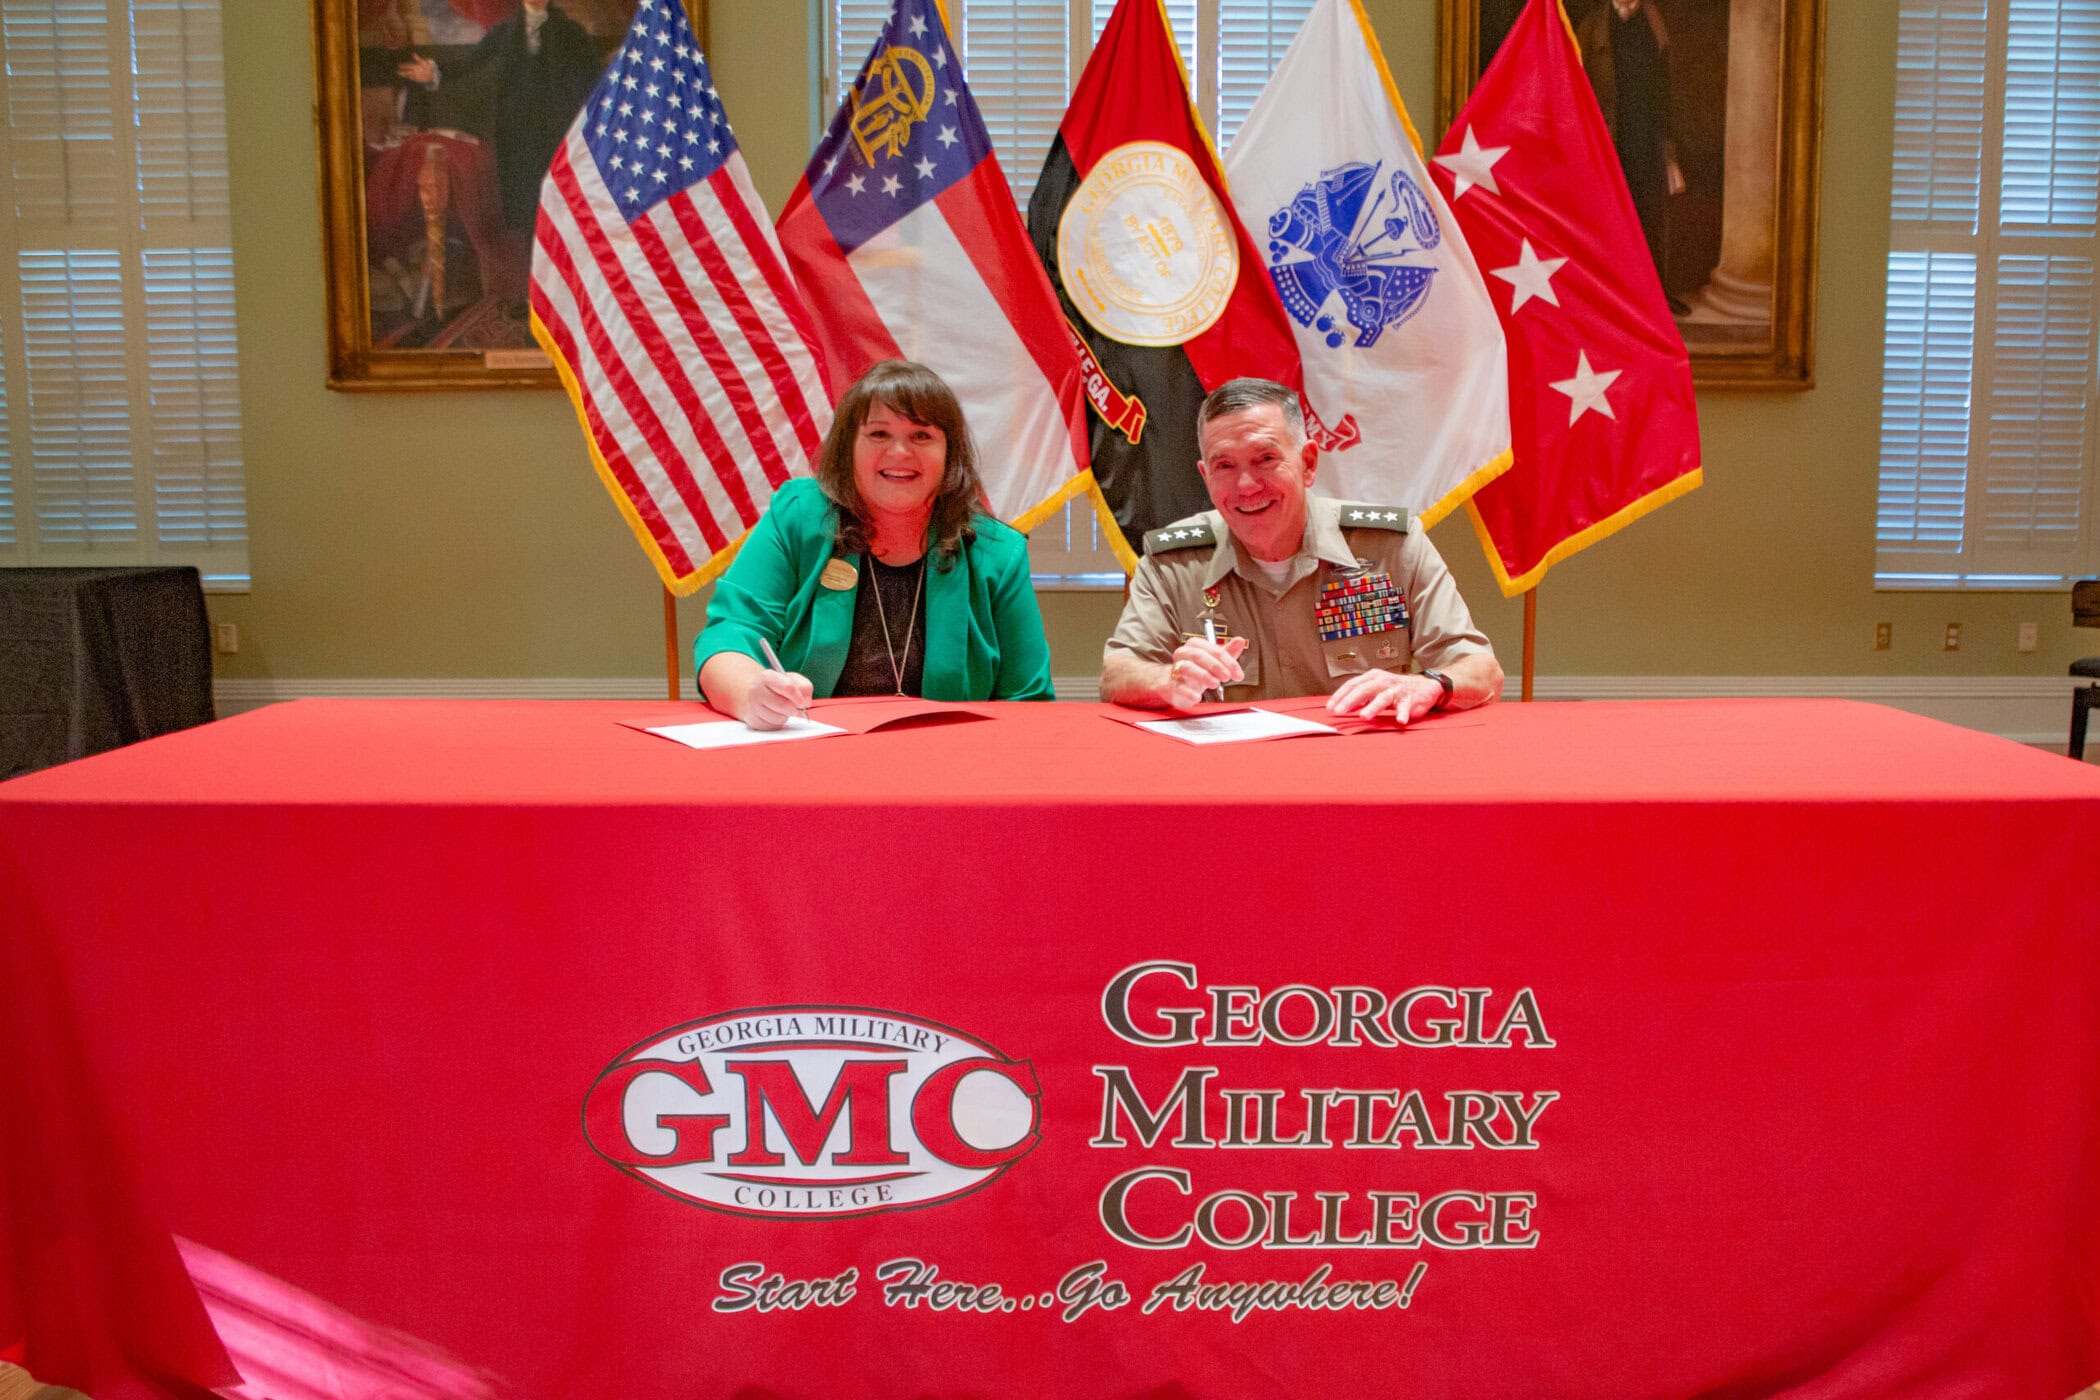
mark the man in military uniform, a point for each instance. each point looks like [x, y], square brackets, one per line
[1277, 592]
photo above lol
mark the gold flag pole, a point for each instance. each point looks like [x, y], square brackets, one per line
[1531, 637]
[671, 645]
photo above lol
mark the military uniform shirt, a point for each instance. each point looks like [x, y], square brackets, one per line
[1365, 591]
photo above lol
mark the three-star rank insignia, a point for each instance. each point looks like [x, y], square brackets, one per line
[1183, 534]
[1358, 602]
[1360, 515]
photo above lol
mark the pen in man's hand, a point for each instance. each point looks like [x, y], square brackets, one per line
[1210, 634]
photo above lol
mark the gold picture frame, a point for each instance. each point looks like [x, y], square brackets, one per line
[1738, 208]
[426, 195]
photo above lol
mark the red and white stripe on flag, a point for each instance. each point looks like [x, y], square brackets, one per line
[659, 290]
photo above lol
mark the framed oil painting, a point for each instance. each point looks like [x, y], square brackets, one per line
[1715, 108]
[438, 119]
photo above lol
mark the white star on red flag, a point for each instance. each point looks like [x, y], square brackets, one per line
[1586, 390]
[1572, 483]
[1473, 164]
[1530, 276]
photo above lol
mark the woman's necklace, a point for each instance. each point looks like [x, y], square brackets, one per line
[897, 664]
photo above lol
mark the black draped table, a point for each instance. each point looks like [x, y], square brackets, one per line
[93, 659]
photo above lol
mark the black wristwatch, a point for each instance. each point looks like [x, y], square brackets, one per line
[1443, 680]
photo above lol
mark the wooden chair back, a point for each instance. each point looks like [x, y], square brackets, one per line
[2085, 603]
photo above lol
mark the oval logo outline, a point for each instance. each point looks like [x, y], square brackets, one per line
[869, 1100]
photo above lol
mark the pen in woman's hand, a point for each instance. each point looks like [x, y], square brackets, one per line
[773, 660]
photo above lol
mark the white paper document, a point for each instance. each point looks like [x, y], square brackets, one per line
[728, 734]
[1235, 727]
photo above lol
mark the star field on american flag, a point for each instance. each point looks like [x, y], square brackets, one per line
[655, 123]
[937, 150]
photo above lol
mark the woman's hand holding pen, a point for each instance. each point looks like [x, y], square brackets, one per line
[775, 697]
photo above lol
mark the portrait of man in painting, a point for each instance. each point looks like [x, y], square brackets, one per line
[461, 107]
[1699, 99]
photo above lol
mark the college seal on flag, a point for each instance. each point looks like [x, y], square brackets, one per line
[1148, 254]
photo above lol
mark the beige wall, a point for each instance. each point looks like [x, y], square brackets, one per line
[462, 535]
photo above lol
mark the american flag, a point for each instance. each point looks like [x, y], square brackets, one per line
[659, 290]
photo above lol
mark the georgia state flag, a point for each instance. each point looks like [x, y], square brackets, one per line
[905, 241]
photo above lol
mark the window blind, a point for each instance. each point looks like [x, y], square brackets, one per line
[1988, 423]
[119, 386]
[1017, 56]
[1252, 36]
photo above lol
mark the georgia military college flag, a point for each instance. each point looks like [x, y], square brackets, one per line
[904, 239]
[659, 292]
[1604, 425]
[1392, 320]
[1131, 218]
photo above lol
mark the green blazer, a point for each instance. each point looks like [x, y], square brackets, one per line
[984, 634]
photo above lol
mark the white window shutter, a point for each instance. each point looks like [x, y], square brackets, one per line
[1252, 37]
[1929, 349]
[2036, 448]
[64, 59]
[193, 388]
[1940, 92]
[10, 534]
[2052, 115]
[855, 23]
[80, 430]
[124, 444]
[1988, 445]
[181, 93]
[1015, 58]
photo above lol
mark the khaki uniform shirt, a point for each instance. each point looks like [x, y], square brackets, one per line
[1365, 591]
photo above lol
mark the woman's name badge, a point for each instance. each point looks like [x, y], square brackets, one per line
[838, 576]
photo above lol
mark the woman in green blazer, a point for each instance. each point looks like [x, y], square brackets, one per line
[879, 577]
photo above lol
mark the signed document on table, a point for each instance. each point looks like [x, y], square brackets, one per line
[710, 729]
[731, 734]
[1234, 727]
[1288, 718]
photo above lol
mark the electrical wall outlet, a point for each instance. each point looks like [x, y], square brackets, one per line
[1883, 632]
[2029, 636]
[1953, 641]
[227, 636]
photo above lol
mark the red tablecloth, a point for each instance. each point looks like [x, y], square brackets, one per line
[1778, 1065]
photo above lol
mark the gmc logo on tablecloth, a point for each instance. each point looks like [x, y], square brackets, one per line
[803, 1112]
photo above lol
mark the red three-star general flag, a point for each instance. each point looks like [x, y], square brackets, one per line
[1166, 295]
[1602, 420]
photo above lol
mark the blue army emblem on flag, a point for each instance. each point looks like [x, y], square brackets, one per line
[1348, 233]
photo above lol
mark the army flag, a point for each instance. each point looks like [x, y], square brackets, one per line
[903, 236]
[1604, 425]
[659, 291]
[1391, 317]
[1161, 287]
